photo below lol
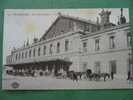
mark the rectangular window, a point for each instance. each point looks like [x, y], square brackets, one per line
[44, 50]
[39, 50]
[112, 42]
[97, 67]
[84, 66]
[128, 39]
[29, 53]
[129, 63]
[97, 47]
[113, 66]
[84, 46]
[58, 47]
[11, 59]
[66, 45]
[22, 55]
[87, 28]
[26, 54]
[19, 56]
[50, 49]
[34, 52]
[70, 24]
[16, 56]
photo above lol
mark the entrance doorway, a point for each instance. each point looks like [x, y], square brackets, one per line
[112, 66]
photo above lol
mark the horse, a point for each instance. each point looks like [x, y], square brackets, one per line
[105, 75]
[70, 74]
[96, 76]
[80, 74]
[89, 74]
[73, 75]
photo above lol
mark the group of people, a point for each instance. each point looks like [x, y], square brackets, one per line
[75, 75]
[89, 75]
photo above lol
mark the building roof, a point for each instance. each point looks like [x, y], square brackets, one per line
[70, 18]
[115, 27]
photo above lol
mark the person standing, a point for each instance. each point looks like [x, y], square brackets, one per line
[128, 75]
[112, 75]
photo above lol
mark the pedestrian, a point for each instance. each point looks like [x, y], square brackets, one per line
[112, 75]
[128, 75]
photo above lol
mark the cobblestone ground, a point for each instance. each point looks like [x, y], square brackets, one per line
[54, 83]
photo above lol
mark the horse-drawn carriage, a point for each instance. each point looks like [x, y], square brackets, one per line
[87, 75]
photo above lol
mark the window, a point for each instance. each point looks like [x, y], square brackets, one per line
[16, 56]
[11, 59]
[97, 48]
[74, 26]
[128, 39]
[19, 56]
[39, 50]
[22, 55]
[93, 29]
[50, 49]
[129, 63]
[112, 66]
[84, 46]
[34, 52]
[84, 66]
[44, 50]
[97, 67]
[87, 28]
[112, 42]
[70, 24]
[58, 47]
[66, 45]
[29, 53]
[26, 54]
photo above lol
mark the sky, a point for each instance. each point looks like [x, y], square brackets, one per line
[21, 25]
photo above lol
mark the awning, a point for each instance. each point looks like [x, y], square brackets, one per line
[42, 63]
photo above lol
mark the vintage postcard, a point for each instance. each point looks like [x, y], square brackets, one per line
[67, 49]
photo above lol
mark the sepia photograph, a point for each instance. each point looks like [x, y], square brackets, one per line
[55, 49]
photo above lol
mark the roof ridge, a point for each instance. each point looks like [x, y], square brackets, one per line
[78, 18]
